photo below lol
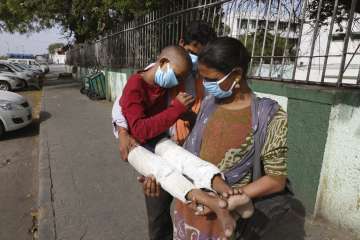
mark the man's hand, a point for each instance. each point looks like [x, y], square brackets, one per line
[186, 99]
[126, 143]
[150, 186]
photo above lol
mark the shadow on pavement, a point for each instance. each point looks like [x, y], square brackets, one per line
[44, 116]
[57, 81]
[29, 131]
[28, 89]
[291, 226]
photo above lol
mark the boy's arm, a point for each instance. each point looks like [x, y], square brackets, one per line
[118, 119]
[142, 127]
[120, 130]
[126, 143]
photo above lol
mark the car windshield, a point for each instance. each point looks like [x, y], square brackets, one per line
[5, 68]
[16, 68]
[26, 66]
[19, 66]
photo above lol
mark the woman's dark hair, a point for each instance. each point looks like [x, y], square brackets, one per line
[224, 54]
[198, 31]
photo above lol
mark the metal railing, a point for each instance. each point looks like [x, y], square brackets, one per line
[299, 41]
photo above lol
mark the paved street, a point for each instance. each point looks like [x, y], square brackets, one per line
[18, 175]
[86, 191]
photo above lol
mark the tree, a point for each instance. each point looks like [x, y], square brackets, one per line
[52, 47]
[327, 8]
[342, 13]
[83, 20]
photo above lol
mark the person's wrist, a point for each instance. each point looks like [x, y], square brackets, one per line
[244, 192]
[122, 131]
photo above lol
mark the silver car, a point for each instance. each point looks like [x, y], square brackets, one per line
[9, 83]
[32, 69]
[29, 78]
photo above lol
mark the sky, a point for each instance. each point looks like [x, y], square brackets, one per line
[34, 43]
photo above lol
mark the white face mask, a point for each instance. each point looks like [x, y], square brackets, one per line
[214, 87]
[166, 79]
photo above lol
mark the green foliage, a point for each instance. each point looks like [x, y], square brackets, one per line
[83, 20]
[52, 47]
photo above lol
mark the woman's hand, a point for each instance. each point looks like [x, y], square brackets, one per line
[150, 186]
[126, 143]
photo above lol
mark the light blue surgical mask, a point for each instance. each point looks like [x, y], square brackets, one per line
[194, 60]
[214, 88]
[166, 79]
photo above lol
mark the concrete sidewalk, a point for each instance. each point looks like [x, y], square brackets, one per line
[85, 190]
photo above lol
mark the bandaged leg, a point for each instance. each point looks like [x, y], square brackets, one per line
[171, 180]
[200, 171]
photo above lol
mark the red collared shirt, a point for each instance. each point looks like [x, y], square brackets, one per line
[146, 109]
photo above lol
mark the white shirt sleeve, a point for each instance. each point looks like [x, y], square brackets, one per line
[118, 119]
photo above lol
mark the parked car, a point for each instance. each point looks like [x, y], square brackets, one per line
[26, 67]
[15, 112]
[9, 83]
[29, 78]
[31, 62]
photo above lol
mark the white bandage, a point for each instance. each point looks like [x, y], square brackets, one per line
[171, 180]
[198, 170]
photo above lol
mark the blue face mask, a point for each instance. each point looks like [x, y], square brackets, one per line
[166, 79]
[194, 60]
[214, 89]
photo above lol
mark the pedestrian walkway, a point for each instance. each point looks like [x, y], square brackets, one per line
[86, 191]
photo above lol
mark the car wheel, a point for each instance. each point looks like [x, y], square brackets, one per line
[4, 86]
[2, 129]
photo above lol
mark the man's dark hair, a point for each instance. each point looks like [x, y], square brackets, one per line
[224, 54]
[199, 31]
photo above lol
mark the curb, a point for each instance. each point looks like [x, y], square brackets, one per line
[46, 217]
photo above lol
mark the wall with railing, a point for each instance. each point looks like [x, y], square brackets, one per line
[289, 40]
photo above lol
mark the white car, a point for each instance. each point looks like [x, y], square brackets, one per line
[15, 112]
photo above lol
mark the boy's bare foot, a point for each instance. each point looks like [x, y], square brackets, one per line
[214, 203]
[236, 199]
[240, 202]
